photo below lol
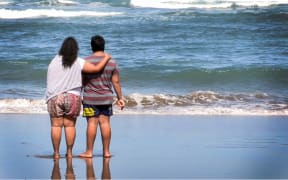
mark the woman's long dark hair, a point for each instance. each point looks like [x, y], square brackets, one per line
[69, 52]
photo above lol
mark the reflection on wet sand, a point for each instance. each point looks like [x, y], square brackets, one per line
[106, 174]
[56, 170]
[56, 174]
[69, 169]
[90, 172]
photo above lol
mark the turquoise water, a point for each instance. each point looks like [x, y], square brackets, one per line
[194, 56]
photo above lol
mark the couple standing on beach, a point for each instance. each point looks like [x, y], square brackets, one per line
[63, 95]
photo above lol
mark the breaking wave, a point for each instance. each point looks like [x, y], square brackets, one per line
[195, 103]
[40, 13]
[4, 3]
[182, 4]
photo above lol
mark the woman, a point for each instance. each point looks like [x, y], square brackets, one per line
[64, 82]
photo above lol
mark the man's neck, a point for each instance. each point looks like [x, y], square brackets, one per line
[99, 53]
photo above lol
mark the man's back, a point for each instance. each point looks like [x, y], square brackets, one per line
[98, 87]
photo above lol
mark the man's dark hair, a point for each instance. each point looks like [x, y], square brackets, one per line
[69, 51]
[97, 43]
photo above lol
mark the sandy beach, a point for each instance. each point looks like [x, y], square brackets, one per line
[151, 146]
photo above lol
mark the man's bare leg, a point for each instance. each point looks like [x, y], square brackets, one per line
[105, 128]
[70, 134]
[56, 132]
[92, 124]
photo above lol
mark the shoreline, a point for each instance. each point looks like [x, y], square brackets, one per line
[194, 103]
[150, 112]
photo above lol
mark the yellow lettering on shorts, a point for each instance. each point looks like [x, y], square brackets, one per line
[88, 112]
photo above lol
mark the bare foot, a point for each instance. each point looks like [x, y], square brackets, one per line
[56, 155]
[69, 176]
[68, 155]
[107, 155]
[86, 155]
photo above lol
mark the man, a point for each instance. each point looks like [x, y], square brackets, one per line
[98, 98]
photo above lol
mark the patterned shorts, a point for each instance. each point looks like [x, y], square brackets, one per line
[96, 110]
[65, 104]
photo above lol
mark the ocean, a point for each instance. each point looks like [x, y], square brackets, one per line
[206, 57]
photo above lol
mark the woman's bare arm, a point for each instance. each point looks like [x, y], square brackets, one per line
[91, 68]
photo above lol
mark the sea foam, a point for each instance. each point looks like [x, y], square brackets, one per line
[195, 103]
[182, 4]
[38, 13]
[4, 3]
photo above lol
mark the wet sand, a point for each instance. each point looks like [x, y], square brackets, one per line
[151, 146]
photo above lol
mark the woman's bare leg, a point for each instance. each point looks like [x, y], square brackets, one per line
[70, 134]
[56, 131]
